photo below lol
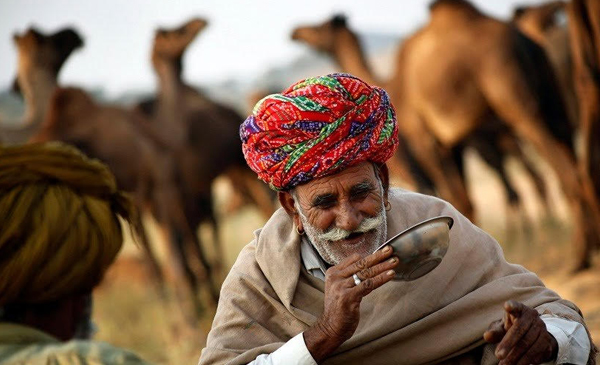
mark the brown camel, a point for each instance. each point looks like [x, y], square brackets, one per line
[203, 133]
[584, 29]
[494, 141]
[541, 23]
[142, 165]
[40, 58]
[507, 74]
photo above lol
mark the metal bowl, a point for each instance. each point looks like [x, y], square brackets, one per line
[421, 247]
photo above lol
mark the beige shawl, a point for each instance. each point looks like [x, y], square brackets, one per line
[268, 297]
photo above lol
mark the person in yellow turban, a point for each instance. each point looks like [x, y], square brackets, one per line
[59, 233]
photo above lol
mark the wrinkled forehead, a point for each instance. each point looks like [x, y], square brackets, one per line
[341, 183]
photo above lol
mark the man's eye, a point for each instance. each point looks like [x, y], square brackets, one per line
[361, 194]
[324, 204]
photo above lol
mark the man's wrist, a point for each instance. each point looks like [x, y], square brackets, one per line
[319, 343]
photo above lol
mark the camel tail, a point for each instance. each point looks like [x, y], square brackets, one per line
[544, 83]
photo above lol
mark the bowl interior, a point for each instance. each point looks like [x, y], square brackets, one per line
[421, 247]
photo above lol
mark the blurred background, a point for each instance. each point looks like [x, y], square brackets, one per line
[236, 54]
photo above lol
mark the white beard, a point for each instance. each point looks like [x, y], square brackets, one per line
[333, 252]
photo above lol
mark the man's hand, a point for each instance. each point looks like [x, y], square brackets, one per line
[341, 311]
[522, 336]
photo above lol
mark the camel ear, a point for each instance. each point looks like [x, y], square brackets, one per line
[518, 12]
[339, 20]
[15, 87]
[68, 40]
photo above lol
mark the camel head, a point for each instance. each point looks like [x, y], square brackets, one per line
[541, 17]
[37, 50]
[323, 37]
[172, 43]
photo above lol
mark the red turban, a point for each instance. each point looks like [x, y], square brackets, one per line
[318, 127]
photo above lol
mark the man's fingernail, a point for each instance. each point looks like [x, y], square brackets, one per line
[500, 353]
[387, 249]
[390, 273]
[393, 259]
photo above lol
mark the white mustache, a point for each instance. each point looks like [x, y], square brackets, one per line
[336, 234]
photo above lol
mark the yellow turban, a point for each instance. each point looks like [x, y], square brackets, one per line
[59, 229]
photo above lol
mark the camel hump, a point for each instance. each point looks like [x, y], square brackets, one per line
[67, 104]
[452, 4]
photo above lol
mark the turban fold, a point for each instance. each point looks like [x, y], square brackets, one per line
[59, 229]
[318, 127]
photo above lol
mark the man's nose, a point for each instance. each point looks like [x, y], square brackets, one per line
[348, 217]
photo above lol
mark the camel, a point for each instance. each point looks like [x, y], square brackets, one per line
[584, 30]
[541, 24]
[40, 59]
[138, 156]
[493, 141]
[507, 74]
[203, 134]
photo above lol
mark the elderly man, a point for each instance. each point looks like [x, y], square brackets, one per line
[59, 233]
[310, 288]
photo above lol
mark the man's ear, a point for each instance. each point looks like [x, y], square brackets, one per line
[287, 202]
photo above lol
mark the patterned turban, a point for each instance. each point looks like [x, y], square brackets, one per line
[59, 229]
[318, 127]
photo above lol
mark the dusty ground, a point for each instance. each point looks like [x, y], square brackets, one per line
[130, 314]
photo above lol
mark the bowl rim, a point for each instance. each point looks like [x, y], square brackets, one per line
[449, 220]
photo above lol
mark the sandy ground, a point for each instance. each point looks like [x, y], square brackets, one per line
[130, 314]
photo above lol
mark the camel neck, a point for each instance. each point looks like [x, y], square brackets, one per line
[351, 59]
[171, 98]
[37, 88]
[169, 78]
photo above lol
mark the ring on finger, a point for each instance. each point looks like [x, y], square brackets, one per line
[357, 280]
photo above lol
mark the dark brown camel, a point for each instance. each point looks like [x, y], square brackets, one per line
[204, 135]
[142, 165]
[40, 58]
[493, 140]
[507, 74]
[541, 23]
[584, 29]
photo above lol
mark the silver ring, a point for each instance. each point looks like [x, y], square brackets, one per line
[357, 280]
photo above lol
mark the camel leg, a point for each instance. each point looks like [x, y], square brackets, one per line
[441, 169]
[422, 182]
[509, 99]
[584, 32]
[585, 213]
[171, 216]
[245, 182]
[538, 182]
[194, 248]
[405, 167]
[150, 257]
